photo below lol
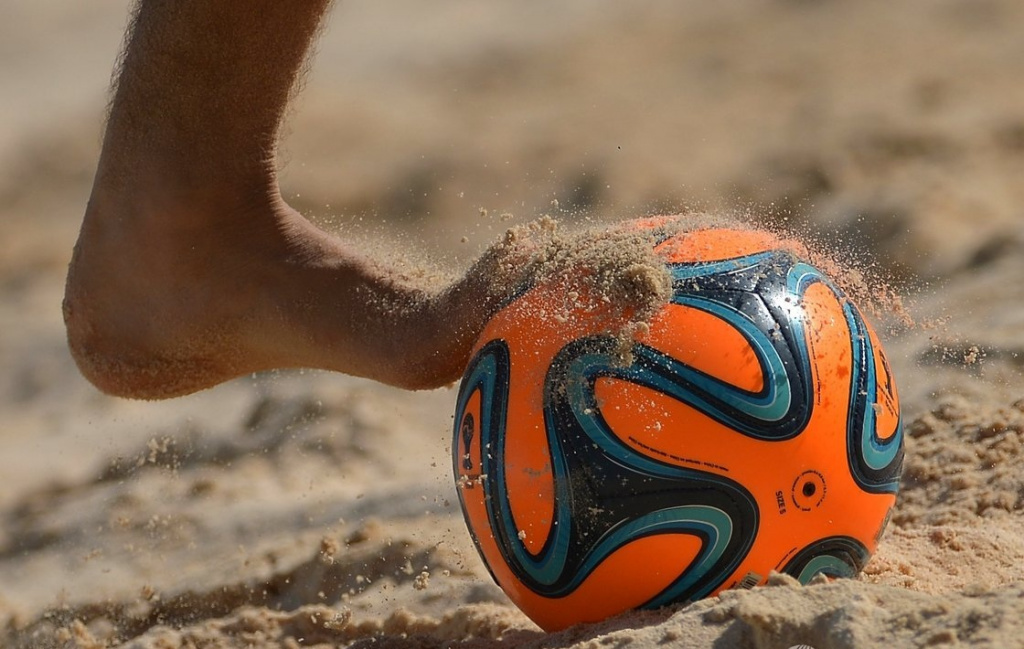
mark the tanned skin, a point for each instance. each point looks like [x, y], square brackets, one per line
[190, 269]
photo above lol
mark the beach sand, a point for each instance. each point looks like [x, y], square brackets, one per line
[298, 509]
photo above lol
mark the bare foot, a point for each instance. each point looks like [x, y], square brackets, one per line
[166, 297]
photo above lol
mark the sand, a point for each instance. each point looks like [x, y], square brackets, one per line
[297, 509]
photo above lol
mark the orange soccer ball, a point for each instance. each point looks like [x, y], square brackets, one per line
[755, 427]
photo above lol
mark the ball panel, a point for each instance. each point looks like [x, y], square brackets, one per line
[836, 556]
[481, 407]
[527, 464]
[706, 343]
[750, 294]
[886, 404]
[530, 333]
[613, 587]
[876, 460]
[717, 245]
[665, 429]
[828, 338]
[856, 374]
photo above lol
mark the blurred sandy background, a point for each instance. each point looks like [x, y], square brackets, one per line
[293, 509]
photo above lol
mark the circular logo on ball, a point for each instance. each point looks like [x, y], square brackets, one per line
[808, 490]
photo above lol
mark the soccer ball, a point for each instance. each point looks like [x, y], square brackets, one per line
[754, 428]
